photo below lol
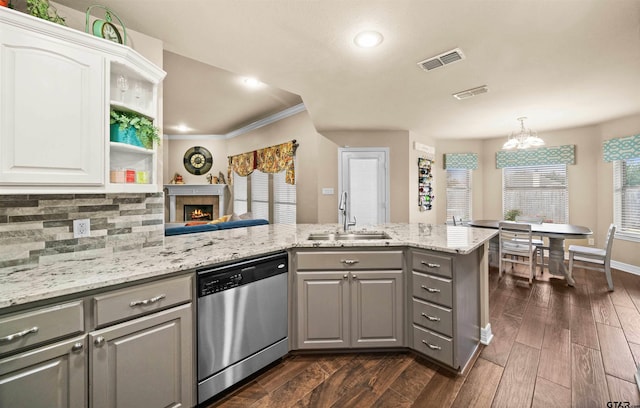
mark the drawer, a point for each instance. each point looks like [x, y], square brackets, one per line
[435, 289]
[433, 317]
[433, 345]
[432, 263]
[349, 260]
[129, 303]
[38, 326]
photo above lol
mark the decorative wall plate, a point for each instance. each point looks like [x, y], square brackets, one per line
[198, 160]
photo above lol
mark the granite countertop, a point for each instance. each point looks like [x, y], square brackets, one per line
[185, 252]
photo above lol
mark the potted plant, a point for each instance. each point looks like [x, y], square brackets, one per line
[134, 129]
[512, 214]
[4, 3]
[44, 10]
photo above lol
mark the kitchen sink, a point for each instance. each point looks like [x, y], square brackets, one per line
[348, 236]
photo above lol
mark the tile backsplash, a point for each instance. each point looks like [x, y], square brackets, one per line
[38, 229]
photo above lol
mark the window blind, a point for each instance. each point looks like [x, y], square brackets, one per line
[260, 195]
[459, 193]
[537, 191]
[284, 200]
[626, 197]
[239, 194]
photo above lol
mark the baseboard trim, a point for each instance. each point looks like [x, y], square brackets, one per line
[486, 335]
[633, 269]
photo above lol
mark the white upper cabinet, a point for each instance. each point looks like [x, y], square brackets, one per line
[57, 86]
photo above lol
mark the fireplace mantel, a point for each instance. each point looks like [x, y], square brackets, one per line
[174, 190]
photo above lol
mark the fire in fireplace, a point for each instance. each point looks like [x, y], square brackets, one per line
[198, 212]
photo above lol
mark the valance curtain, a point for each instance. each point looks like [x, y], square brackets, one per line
[467, 161]
[536, 157]
[272, 159]
[621, 148]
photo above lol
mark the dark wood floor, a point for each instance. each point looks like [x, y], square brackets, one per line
[554, 346]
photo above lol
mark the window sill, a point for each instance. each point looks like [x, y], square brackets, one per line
[627, 236]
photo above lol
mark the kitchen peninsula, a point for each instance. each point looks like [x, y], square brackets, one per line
[168, 270]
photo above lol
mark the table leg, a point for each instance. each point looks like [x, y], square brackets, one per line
[556, 260]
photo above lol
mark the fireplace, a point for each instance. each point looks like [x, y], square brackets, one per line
[198, 212]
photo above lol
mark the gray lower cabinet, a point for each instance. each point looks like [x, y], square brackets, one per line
[353, 305]
[144, 362]
[52, 376]
[445, 306]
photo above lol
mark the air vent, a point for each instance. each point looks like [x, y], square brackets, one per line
[442, 59]
[469, 93]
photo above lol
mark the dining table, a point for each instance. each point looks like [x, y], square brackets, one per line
[556, 233]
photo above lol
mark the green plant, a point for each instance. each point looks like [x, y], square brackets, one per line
[44, 10]
[146, 132]
[512, 214]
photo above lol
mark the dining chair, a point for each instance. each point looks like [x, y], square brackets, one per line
[516, 243]
[600, 257]
[539, 240]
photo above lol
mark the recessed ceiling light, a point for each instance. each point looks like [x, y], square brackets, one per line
[368, 39]
[182, 128]
[252, 82]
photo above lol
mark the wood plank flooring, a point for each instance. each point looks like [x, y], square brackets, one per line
[553, 346]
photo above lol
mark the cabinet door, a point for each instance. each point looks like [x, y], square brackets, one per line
[52, 111]
[146, 362]
[377, 309]
[323, 310]
[53, 376]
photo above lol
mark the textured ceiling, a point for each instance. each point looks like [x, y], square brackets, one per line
[561, 63]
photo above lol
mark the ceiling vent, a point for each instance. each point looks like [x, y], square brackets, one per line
[469, 93]
[442, 59]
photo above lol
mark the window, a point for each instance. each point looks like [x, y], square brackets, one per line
[239, 194]
[459, 194]
[536, 191]
[260, 195]
[626, 198]
[284, 200]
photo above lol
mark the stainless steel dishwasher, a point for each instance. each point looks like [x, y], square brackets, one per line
[242, 320]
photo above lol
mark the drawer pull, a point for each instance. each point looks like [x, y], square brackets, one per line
[18, 335]
[345, 276]
[432, 346]
[77, 347]
[147, 301]
[349, 261]
[430, 265]
[431, 318]
[430, 290]
[99, 341]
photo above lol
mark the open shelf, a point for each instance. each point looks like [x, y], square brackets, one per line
[127, 148]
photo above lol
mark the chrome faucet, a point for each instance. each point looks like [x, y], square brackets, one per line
[345, 218]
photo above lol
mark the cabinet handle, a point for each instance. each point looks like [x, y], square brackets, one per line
[355, 276]
[147, 301]
[345, 276]
[432, 346]
[99, 341]
[77, 347]
[430, 265]
[349, 261]
[431, 318]
[18, 335]
[430, 290]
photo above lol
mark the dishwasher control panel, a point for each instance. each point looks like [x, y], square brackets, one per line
[217, 284]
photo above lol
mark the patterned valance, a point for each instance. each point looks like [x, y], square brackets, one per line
[536, 157]
[621, 148]
[460, 161]
[273, 159]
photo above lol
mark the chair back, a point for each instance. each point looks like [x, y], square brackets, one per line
[457, 221]
[515, 237]
[609, 242]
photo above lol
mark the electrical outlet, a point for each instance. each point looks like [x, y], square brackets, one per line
[592, 241]
[82, 228]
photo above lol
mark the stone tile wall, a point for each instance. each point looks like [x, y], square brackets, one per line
[37, 229]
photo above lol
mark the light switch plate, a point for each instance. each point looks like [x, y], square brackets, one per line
[82, 228]
[327, 191]
[592, 241]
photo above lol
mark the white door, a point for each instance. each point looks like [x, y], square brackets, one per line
[364, 175]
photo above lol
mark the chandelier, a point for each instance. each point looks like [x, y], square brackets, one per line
[523, 139]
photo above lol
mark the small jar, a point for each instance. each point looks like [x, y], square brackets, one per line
[130, 176]
[117, 176]
[142, 177]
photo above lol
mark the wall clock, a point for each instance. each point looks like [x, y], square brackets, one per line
[197, 160]
[105, 28]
